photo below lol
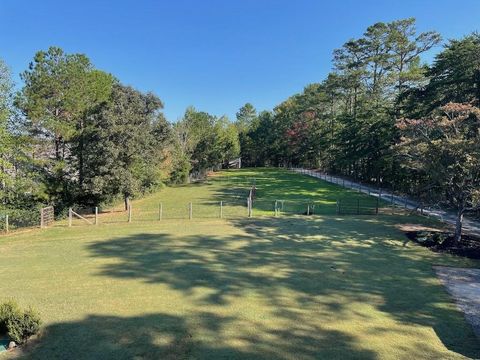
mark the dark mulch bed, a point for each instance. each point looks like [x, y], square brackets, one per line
[443, 242]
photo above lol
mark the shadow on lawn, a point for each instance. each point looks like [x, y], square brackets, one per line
[279, 254]
[162, 336]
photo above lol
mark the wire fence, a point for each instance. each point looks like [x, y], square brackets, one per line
[394, 200]
[13, 219]
[232, 209]
[240, 202]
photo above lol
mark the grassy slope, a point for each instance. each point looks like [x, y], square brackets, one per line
[232, 188]
[288, 288]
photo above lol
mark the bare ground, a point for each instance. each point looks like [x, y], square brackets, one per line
[464, 286]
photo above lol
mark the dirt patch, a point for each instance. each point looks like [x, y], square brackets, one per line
[464, 286]
[440, 241]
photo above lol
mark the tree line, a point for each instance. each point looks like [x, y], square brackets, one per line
[76, 136]
[384, 117]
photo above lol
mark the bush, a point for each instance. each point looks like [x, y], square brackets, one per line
[180, 172]
[8, 310]
[17, 324]
[21, 327]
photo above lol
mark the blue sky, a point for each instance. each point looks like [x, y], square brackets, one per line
[215, 55]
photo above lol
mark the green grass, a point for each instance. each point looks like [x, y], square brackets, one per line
[293, 193]
[293, 287]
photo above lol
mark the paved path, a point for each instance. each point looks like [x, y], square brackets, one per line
[469, 225]
[464, 286]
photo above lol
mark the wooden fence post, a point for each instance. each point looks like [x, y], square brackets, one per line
[308, 209]
[96, 215]
[70, 215]
[276, 208]
[129, 213]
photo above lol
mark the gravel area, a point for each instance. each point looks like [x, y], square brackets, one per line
[464, 286]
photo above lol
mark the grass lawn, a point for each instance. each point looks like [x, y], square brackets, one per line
[293, 287]
[293, 191]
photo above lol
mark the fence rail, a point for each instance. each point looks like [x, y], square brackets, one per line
[232, 210]
[240, 202]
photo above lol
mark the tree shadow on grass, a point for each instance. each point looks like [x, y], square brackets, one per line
[201, 336]
[361, 260]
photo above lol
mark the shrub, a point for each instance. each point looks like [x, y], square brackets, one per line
[21, 327]
[180, 172]
[8, 310]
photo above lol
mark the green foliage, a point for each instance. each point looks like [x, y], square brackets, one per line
[86, 139]
[17, 324]
[445, 149]
[95, 137]
[8, 310]
[207, 141]
[22, 325]
[346, 124]
[125, 140]
[180, 171]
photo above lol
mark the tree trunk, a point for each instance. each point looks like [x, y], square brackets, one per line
[80, 158]
[458, 226]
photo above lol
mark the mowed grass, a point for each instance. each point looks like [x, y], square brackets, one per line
[293, 193]
[292, 287]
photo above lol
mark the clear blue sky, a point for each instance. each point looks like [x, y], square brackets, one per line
[215, 55]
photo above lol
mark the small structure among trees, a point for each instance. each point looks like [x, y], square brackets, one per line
[235, 163]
